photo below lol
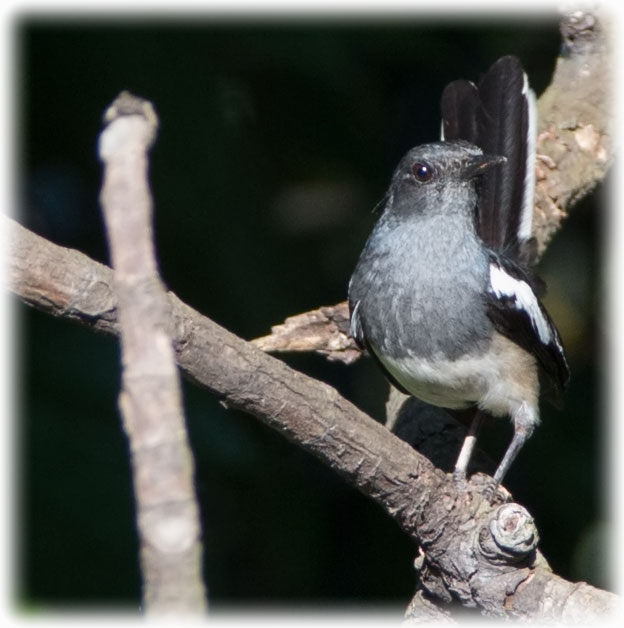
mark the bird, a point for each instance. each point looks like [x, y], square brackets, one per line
[444, 295]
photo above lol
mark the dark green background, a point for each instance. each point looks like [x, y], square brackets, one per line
[277, 139]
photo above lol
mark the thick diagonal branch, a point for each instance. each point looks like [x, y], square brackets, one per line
[453, 526]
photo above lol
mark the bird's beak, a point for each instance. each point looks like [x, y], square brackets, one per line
[481, 163]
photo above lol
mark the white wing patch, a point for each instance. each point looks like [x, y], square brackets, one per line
[521, 294]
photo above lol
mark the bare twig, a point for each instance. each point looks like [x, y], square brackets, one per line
[150, 400]
[325, 330]
[500, 573]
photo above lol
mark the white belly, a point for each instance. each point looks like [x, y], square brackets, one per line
[497, 381]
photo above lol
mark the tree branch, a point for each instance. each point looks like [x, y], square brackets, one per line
[575, 119]
[150, 399]
[325, 331]
[480, 553]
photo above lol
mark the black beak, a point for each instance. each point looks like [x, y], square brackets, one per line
[481, 163]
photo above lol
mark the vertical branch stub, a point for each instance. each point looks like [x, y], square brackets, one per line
[150, 400]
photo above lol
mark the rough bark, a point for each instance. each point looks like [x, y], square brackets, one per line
[575, 115]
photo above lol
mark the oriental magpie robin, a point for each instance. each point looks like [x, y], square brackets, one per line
[443, 296]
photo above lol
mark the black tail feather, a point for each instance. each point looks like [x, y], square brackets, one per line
[499, 117]
[460, 104]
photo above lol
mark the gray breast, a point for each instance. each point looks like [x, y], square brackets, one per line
[420, 288]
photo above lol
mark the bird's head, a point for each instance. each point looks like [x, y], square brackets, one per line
[439, 178]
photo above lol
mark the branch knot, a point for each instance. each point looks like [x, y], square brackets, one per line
[510, 535]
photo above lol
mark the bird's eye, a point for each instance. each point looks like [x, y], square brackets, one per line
[422, 172]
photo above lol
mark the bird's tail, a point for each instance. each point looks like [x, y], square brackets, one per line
[499, 116]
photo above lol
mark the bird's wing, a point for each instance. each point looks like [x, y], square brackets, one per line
[357, 333]
[516, 312]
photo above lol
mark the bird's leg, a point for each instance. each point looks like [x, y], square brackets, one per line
[525, 418]
[467, 448]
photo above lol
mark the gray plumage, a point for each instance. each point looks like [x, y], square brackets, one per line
[448, 319]
[417, 292]
[424, 258]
